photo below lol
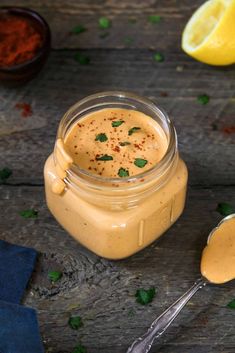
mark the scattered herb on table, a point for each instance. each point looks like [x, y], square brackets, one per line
[231, 304]
[131, 313]
[159, 57]
[154, 19]
[31, 213]
[203, 99]
[128, 40]
[104, 23]
[122, 173]
[78, 29]
[140, 162]
[75, 322]
[101, 137]
[105, 157]
[5, 173]
[117, 123]
[104, 35]
[79, 349]
[125, 143]
[132, 130]
[26, 109]
[225, 209]
[132, 20]
[82, 59]
[54, 276]
[145, 296]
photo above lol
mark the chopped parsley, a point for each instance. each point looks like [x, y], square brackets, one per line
[231, 304]
[225, 209]
[105, 157]
[128, 40]
[117, 123]
[5, 173]
[154, 19]
[122, 173]
[82, 59]
[101, 137]
[140, 163]
[132, 130]
[104, 23]
[203, 99]
[125, 143]
[145, 296]
[29, 213]
[75, 322]
[79, 349]
[78, 29]
[159, 57]
[54, 276]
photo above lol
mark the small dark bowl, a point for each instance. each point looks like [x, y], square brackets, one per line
[20, 73]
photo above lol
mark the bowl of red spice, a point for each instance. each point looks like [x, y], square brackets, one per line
[25, 42]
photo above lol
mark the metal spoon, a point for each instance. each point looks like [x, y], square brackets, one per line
[158, 327]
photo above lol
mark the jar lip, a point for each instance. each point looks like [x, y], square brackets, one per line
[156, 169]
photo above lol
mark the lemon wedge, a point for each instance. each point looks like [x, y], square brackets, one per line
[209, 35]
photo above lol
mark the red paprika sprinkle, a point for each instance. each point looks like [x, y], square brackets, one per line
[19, 40]
[26, 109]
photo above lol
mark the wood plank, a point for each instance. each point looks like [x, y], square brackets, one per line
[62, 16]
[102, 291]
[25, 143]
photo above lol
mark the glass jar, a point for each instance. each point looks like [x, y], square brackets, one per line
[115, 217]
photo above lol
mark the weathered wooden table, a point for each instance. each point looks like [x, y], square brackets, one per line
[101, 291]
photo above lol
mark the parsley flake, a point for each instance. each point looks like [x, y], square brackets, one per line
[125, 143]
[132, 20]
[82, 59]
[5, 173]
[101, 137]
[140, 163]
[231, 304]
[78, 29]
[117, 123]
[104, 23]
[104, 35]
[79, 349]
[29, 213]
[154, 19]
[54, 276]
[225, 209]
[75, 322]
[145, 296]
[122, 173]
[128, 40]
[132, 130]
[105, 157]
[203, 99]
[159, 57]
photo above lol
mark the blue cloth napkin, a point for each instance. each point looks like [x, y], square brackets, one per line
[19, 331]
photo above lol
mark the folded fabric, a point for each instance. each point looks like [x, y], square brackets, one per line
[19, 331]
[16, 266]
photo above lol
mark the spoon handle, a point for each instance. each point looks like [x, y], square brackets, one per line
[143, 344]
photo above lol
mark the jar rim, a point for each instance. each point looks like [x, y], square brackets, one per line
[155, 170]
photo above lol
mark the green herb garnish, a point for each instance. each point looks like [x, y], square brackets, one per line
[159, 57]
[101, 137]
[104, 35]
[125, 143]
[225, 209]
[154, 19]
[104, 23]
[105, 157]
[78, 29]
[141, 163]
[117, 123]
[75, 322]
[203, 99]
[54, 276]
[128, 40]
[132, 20]
[132, 130]
[79, 349]
[122, 173]
[29, 213]
[231, 304]
[5, 173]
[145, 296]
[82, 59]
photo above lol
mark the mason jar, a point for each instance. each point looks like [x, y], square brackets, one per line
[115, 217]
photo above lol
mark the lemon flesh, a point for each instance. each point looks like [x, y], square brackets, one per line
[209, 36]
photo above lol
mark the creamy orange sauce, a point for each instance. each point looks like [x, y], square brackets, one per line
[116, 142]
[218, 258]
